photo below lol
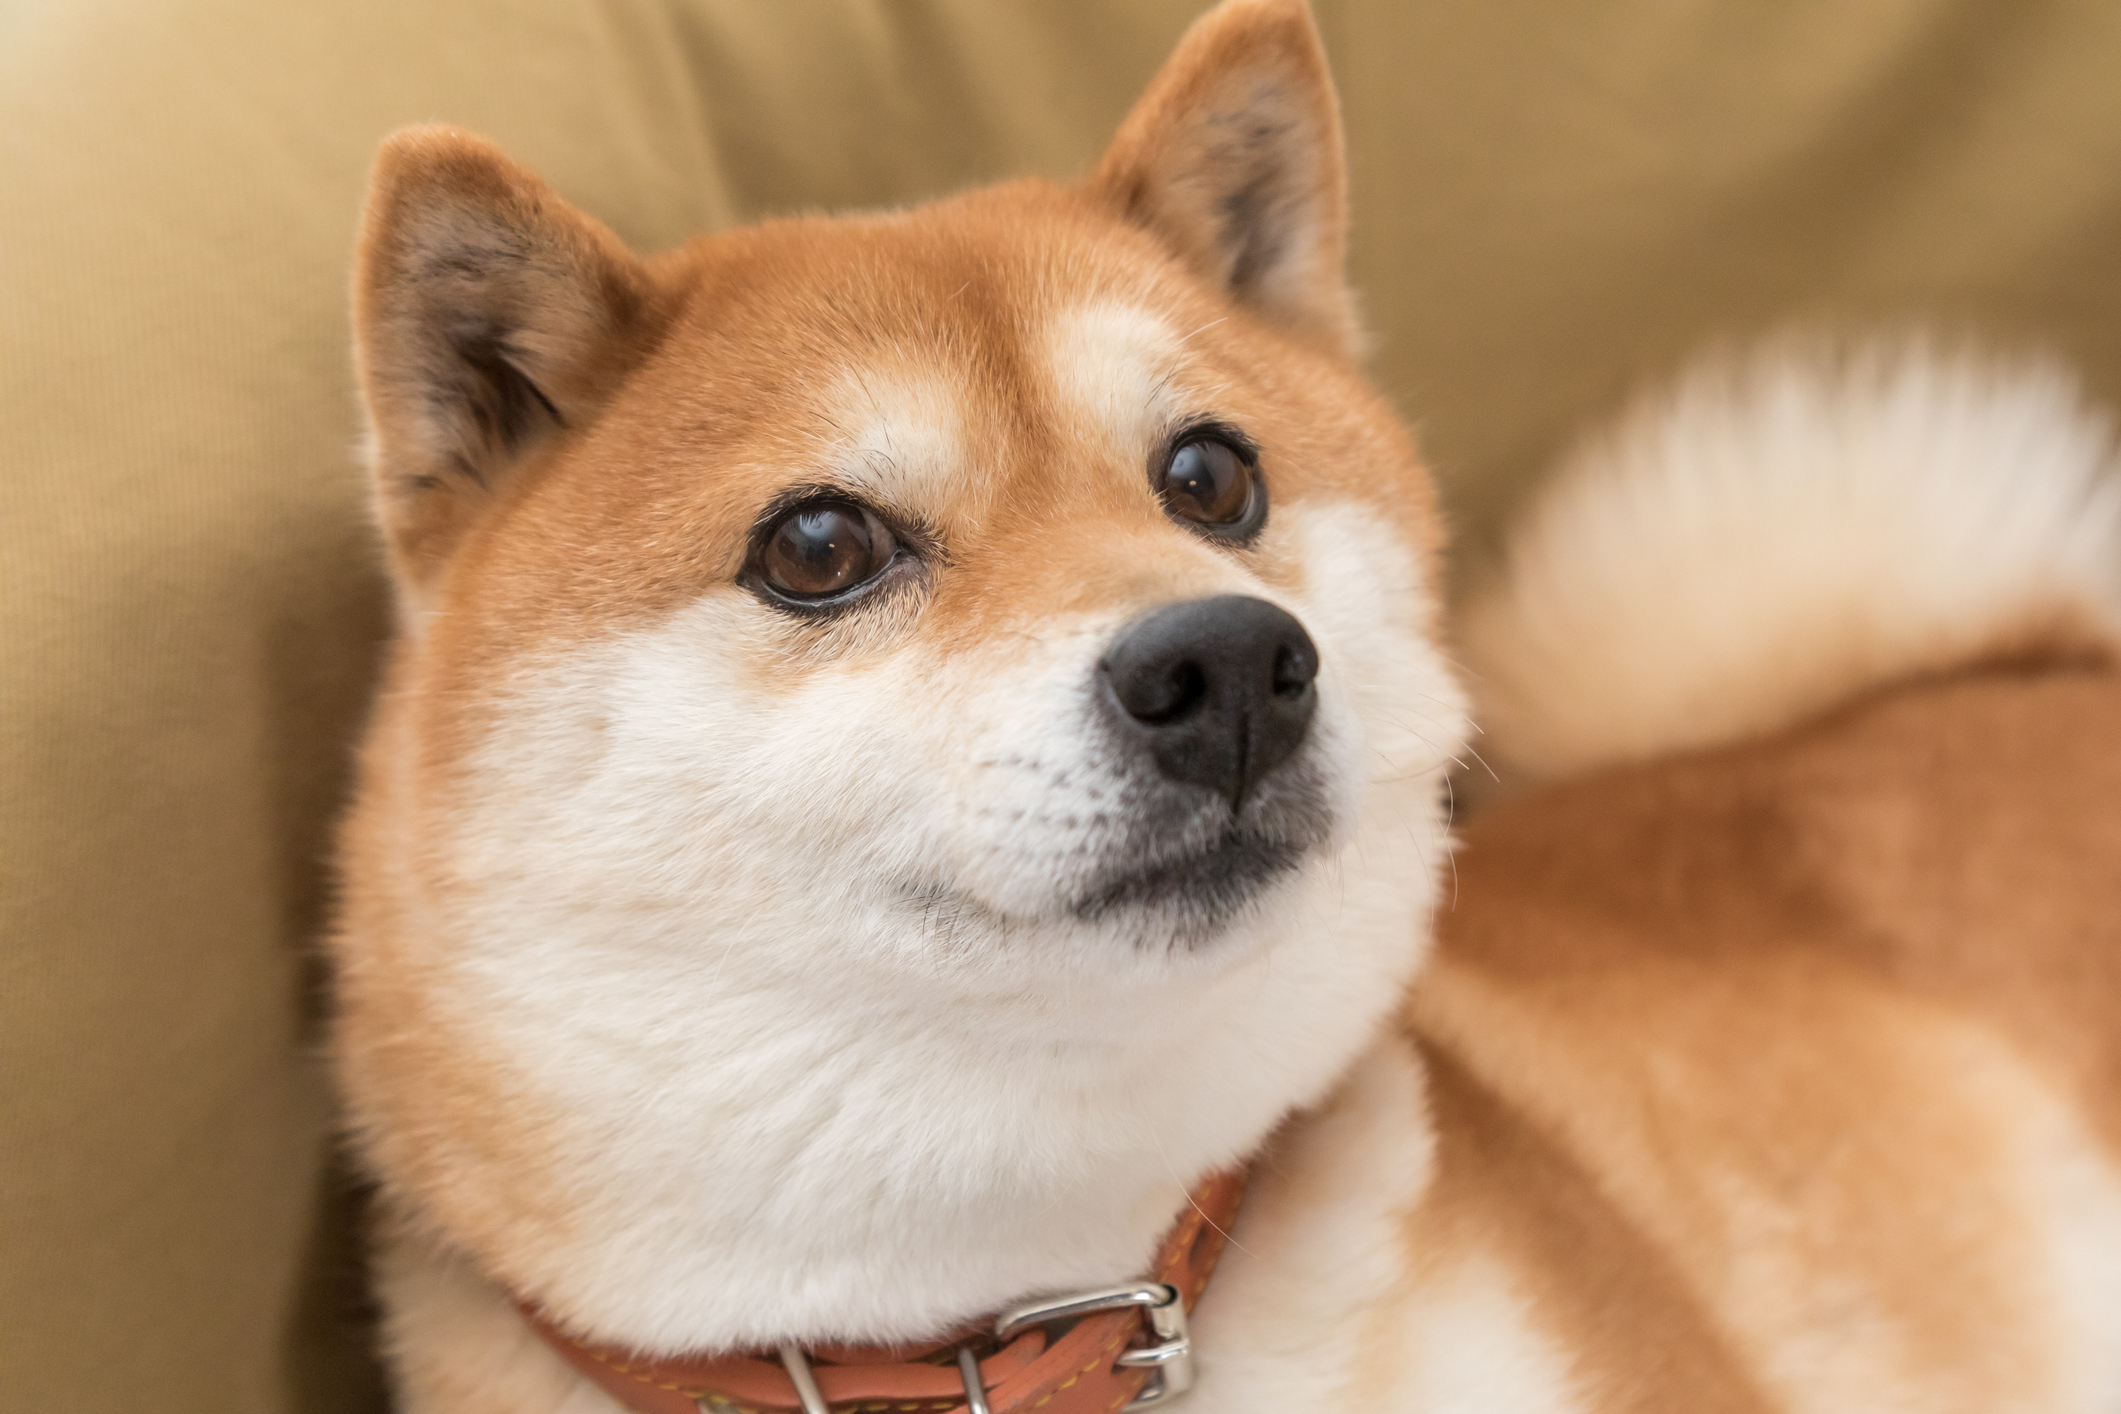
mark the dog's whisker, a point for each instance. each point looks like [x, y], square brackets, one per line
[1203, 329]
[1193, 1203]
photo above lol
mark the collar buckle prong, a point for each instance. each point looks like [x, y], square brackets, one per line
[797, 1365]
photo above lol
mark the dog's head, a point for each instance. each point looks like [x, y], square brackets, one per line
[902, 722]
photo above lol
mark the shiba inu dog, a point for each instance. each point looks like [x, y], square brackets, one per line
[916, 755]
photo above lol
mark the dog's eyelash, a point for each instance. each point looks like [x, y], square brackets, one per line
[914, 532]
[1204, 425]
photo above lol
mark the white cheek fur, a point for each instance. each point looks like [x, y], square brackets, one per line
[787, 1099]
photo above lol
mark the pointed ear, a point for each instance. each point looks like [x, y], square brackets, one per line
[1233, 158]
[489, 316]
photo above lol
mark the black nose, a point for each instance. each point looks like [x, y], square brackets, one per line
[1220, 689]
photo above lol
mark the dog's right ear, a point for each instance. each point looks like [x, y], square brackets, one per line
[489, 315]
[1233, 159]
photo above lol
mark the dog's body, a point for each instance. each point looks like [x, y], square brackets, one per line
[775, 914]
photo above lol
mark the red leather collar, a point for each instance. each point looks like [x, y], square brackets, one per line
[1075, 1373]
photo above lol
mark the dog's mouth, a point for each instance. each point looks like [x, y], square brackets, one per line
[1204, 886]
[1196, 864]
[1182, 871]
[1180, 899]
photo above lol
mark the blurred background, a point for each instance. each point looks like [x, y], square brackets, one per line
[1552, 204]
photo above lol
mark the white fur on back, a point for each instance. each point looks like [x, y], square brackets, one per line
[1776, 534]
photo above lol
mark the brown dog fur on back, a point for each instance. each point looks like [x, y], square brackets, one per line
[1727, 1051]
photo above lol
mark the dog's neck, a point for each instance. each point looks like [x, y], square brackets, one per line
[875, 1204]
[1017, 1358]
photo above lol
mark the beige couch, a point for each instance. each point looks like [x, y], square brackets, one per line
[1552, 202]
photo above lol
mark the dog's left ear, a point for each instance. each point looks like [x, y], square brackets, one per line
[1233, 158]
[489, 317]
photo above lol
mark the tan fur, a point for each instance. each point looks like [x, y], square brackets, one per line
[1769, 1018]
[1774, 1078]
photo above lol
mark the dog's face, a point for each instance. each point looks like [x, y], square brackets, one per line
[947, 592]
[899, 718]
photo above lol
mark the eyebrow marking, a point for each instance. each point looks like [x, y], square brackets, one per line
[898, 441]
[1118, 369]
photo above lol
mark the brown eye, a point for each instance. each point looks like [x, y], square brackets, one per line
[1208, 483]
[819, 549]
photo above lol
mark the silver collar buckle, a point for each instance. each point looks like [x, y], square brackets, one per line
[1170, 1359]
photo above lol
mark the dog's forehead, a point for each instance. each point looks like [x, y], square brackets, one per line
[919, 356]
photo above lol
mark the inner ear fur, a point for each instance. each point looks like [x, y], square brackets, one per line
[489, 316]
[1233, 157]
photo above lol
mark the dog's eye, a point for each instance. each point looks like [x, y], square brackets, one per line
[1212, 484]
[821, 548]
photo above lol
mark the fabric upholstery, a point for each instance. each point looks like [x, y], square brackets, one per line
[1552, 202]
